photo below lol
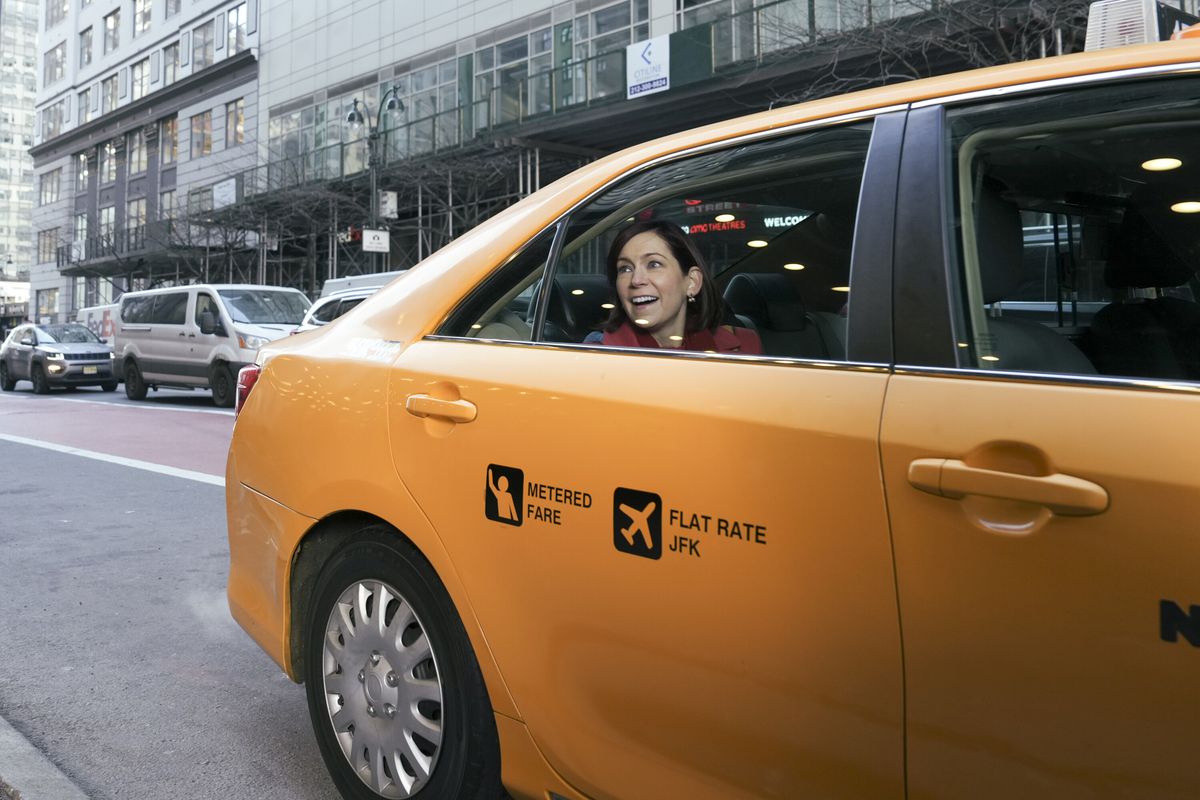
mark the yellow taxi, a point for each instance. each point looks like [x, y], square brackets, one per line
[910, 513]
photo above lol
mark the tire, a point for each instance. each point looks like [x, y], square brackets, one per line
[224, 385]
[7, 383]
[421, 686]
[40, 383]
[109, 386]
[135, 387]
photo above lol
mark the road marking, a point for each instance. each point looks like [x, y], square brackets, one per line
[161, 469]
[24, 768]
[32, 398]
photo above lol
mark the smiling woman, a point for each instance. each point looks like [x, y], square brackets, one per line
[666, 299]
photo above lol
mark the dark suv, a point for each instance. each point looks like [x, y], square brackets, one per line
[56, 355]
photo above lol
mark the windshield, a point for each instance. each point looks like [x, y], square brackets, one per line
[65, 334]
[264, 306]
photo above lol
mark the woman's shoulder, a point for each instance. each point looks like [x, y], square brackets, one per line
[731, 339]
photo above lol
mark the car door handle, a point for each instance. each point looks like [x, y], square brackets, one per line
[1062, 494]
[423, 405]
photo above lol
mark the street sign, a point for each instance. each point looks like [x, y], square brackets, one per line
[375, 241]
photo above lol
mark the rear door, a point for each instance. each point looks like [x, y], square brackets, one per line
[681, 560]
[1043, 508]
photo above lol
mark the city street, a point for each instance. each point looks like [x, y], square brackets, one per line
[118, 658]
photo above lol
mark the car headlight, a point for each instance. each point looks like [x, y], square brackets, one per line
[112, 355]
[50, 354]
[251, 342]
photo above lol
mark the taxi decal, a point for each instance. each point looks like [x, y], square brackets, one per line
[637, 523]
[502, 496]
[1173, 621]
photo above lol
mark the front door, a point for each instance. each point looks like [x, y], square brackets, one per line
[680, 560]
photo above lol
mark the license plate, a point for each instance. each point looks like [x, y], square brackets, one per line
[89, 370]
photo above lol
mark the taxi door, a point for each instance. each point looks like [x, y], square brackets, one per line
[681, 564]
[1046, 549]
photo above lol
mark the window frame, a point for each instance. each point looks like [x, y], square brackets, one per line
[205, 135]
[112, 31]
[868, 332]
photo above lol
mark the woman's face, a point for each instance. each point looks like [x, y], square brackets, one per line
[654, 287]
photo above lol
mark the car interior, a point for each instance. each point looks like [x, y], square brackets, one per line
[1079, 252]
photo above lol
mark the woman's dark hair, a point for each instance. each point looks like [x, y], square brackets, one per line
[704, 314]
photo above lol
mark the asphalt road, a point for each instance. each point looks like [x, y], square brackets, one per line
[118, 658]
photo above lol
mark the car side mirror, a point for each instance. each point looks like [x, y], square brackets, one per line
[209, 324]
[29, 340]
[103, 340]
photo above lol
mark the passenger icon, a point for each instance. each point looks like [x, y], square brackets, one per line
[637, 523]
[505, 488]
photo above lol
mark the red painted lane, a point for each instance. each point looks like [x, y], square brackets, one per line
[170, 437]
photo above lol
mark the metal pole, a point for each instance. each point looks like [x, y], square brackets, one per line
[373, 166]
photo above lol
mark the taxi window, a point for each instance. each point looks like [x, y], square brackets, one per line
[772, 222]
[1078, 239]
[504, 305]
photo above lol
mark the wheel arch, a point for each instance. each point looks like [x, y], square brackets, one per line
[314, 551]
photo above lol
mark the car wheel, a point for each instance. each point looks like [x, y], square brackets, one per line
[7, 383]
[135, 387]
[40, 384]
[109, 386]
[223, 385]
[396, 698]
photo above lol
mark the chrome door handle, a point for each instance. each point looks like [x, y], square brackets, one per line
[423, 405]
[1062, 494]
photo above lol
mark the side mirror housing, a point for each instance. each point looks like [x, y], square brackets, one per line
[209, 324]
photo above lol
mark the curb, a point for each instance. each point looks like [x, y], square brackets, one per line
[26, 774]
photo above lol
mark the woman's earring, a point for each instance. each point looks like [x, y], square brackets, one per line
[691, 298]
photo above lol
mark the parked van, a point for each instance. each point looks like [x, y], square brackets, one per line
[374, 280]
[100, 320]
[199, 336]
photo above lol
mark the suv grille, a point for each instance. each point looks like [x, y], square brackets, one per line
[85, 356]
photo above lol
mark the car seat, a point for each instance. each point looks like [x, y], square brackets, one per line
[1143, 336]
[770, 302]
[1019, 345]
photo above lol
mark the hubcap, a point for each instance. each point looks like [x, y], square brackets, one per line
[382, 689]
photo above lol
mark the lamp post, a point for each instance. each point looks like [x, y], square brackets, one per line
[390, 102]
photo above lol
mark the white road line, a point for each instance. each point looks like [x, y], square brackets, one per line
[152, 407]
[175, 472]
[24, 768]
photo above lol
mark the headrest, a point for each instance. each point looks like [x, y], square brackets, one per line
[1000, 243]
[1140, 257]
[769, 299]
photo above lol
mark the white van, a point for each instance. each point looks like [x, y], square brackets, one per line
[100, 320]
[199, 336]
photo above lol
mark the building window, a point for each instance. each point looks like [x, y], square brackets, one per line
[202, 134]
[55, 64]
[52, 120]
[112, 31]
[108, 94]
[141, 17]
[85, 105]
[108, 162]
[81, 172]
[200, 201]
[172, 7]
[46, 242]
[56, 12]
[135, 222]
[139, 79]
[237, 30]
[48, 185]
[108, 220]
[135, 159]
[202, 46]
[81, 227]
[168, 140]
[166, 204]
[84, 3]
[85, 47]
[170, 64]
[235, 121]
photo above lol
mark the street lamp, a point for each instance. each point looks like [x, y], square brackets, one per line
[355, 118]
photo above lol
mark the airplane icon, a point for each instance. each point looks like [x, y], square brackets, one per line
[639, 523]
